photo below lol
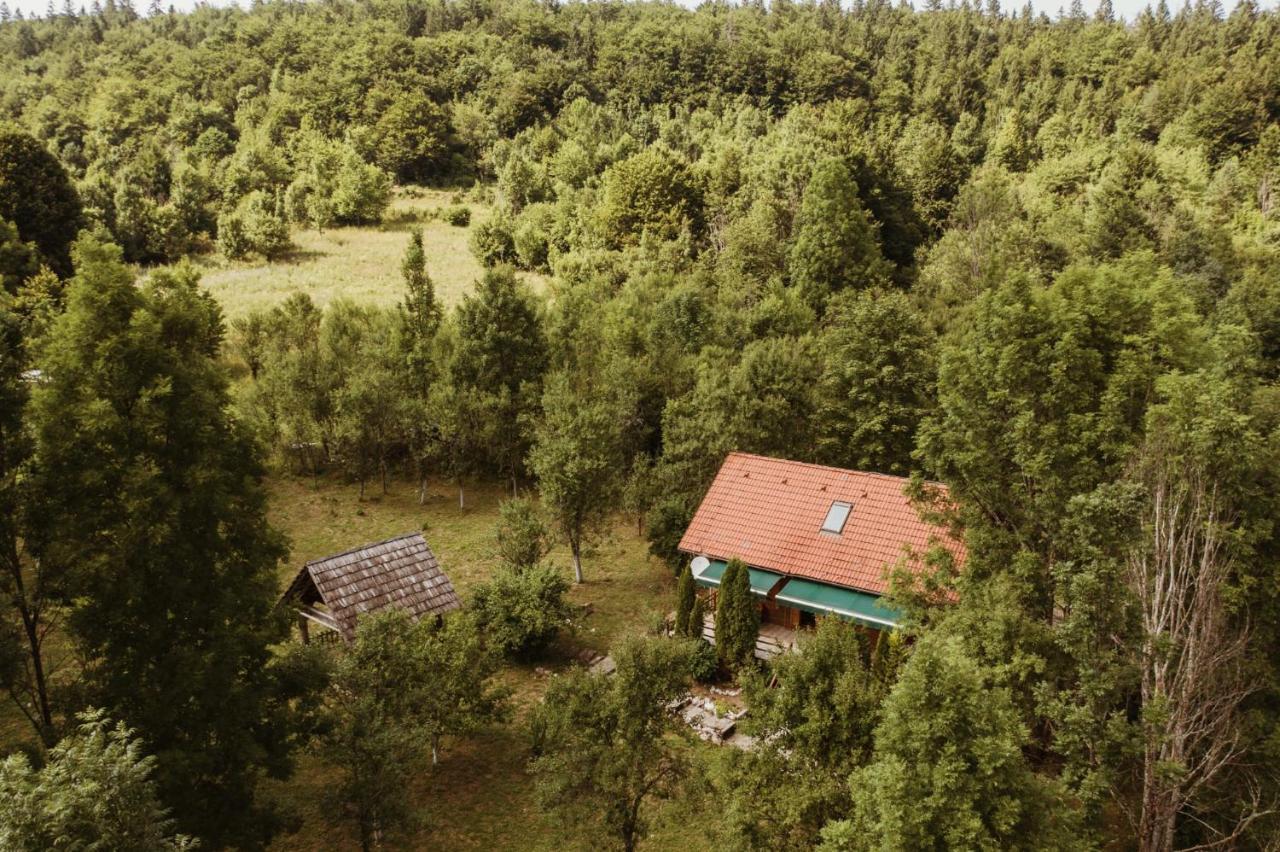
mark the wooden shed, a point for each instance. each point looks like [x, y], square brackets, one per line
[335, 591]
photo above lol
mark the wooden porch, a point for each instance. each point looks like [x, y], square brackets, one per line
[772, 640]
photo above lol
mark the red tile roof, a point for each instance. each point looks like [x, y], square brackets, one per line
[769, 513]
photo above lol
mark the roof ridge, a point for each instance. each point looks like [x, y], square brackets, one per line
[349, 551]
[830, 467]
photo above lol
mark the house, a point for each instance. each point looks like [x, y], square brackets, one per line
[817, 541]
[335, 591]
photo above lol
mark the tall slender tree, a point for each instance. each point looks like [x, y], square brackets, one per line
[737, 616]
[496, 370]
[577, 461]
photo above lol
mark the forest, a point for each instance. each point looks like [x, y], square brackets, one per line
[1033, 258]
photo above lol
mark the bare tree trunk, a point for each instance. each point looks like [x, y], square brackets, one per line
[575, 545]
[30, 607]
[462, 503]
[1192, 653]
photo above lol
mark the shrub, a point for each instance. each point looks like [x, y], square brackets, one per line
[703, 663]
[665, 524]
[522, 611]
[458, 215]
[523, 536]
[254, 226]
[232, 239]
[334, 185]
[532, 236]
[492, 243]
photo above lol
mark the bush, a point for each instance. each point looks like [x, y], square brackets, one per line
[232, 239]
[523, 535]
[665, 524]
[532, 236]
[254, 226]
[492, 243]
[703, 663]
[335, 186]
[522, 611]
[458, 215]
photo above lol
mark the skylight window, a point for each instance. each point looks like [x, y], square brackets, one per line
[836, 517]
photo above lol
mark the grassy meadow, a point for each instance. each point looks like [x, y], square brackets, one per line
[480, 796]
[358, 263]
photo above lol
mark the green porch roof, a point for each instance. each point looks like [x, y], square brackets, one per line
[810, 596]
[761, 581]
[823, 599]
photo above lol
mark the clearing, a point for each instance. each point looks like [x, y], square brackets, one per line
[359, 263]
[480, 796]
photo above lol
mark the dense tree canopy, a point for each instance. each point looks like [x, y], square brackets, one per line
[1032, 258]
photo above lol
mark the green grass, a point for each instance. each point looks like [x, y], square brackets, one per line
[480, 797]
[357, 263]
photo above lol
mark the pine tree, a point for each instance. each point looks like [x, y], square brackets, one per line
[697, 617]
[420, 306]
[836, 245]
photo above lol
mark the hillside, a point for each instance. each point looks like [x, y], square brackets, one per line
[276, 282]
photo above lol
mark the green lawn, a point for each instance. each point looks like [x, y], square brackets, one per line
[480, 797]
[357, 263]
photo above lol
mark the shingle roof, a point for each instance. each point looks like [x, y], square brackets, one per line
[769, 513]
[399, 572]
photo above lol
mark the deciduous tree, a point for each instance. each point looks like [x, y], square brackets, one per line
[577, 461]
[174, 614]
[95, 792]
[605, 746]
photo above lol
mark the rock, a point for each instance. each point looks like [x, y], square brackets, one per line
[604, 665]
